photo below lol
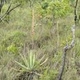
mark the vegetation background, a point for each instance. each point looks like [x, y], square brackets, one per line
[32, 37]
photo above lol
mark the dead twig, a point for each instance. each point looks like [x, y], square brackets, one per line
[8, 11]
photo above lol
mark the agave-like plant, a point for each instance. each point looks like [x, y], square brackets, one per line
[27, 62]
[30, 63]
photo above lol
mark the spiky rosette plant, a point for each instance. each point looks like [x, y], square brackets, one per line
[30, 64]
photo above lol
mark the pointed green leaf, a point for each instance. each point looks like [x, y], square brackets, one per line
[25, 60]
[20, 64]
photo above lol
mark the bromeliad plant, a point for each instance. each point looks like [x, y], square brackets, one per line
[30, 64]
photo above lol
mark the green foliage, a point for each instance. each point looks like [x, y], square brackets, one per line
[44, 5]
[6, 71]
[13, 42]
[4, 8]
[6, 74]
[59, 9]
[17, 32]
[77, 48]
[56, 8]
[22, 2]
[49, 75]
[12, 48]
[30, 63]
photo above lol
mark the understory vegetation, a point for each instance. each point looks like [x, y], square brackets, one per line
[33, 37]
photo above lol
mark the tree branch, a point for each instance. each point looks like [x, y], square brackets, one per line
[65, 49]
[75, 12]
[68, 47]
[8, 11]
